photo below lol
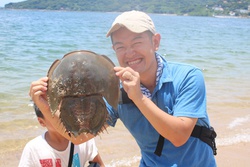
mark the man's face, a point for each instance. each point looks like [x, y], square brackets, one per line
[135, 50]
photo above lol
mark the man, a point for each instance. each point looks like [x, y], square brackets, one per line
[167, 99]
[165, 108]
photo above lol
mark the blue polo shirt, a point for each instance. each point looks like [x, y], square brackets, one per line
[180, 92]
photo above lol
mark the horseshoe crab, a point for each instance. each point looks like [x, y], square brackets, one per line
[77, 86]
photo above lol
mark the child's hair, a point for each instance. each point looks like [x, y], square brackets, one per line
[38, 111]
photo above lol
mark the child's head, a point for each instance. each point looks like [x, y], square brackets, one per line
[39, 114]
[45, 123]
[42, 120]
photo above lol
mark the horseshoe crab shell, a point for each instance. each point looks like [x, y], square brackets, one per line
[76, 88]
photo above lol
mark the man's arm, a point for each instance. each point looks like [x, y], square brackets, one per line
[178, 130]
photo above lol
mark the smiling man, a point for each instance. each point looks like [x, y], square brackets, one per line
[166, 102]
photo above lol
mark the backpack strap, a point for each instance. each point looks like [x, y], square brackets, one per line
[124, 99]
[71, 154]
[203, 133]
[206, 135]
[159, 146]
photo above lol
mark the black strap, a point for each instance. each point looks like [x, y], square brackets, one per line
[93, 164]
[71, 154]
[206, 135]
[159, 146]
[124, 97]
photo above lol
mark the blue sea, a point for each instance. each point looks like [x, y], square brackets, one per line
[31, 40]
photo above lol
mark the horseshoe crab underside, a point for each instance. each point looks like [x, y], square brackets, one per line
[77, 87]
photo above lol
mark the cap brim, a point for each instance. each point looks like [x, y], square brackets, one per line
[115, 27]
[130, 27]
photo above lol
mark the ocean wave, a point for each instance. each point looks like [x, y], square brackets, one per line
[124, 162]
[231, 140]
[238, 121]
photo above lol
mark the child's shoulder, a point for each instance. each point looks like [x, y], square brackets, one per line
[37, 142]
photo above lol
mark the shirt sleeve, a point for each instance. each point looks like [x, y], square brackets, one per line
[191, 96]
[88, 151]
[94, 150]
[113, 115]
[26, 159]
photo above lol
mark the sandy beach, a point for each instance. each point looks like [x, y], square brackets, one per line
[122, 151]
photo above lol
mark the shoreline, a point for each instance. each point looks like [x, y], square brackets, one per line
[233, 155]
[166, 14]
[118, 149]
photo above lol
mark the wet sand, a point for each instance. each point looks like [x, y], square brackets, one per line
[234, 155]
[118, 149]
[11, 151]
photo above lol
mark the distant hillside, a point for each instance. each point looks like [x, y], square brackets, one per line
[179, 7]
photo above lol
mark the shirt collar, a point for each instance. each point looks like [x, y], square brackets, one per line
[159, 60]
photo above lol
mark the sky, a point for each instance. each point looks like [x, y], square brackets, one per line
[4, 2]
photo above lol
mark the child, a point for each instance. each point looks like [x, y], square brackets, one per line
[53, 150]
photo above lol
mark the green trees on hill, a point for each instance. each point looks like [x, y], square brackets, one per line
[180, 7]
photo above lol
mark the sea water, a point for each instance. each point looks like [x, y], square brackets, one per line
[31, 40]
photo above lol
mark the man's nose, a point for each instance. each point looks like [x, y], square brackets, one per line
[130, 52]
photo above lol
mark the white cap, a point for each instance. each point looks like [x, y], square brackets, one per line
[134, 21]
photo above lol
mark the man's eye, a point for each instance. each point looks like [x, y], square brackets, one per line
[136, 43]
[119, 48]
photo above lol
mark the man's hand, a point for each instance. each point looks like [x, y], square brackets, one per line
[131, 82]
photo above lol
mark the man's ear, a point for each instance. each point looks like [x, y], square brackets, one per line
[113, 47]
[156, 41]
[41, 122]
